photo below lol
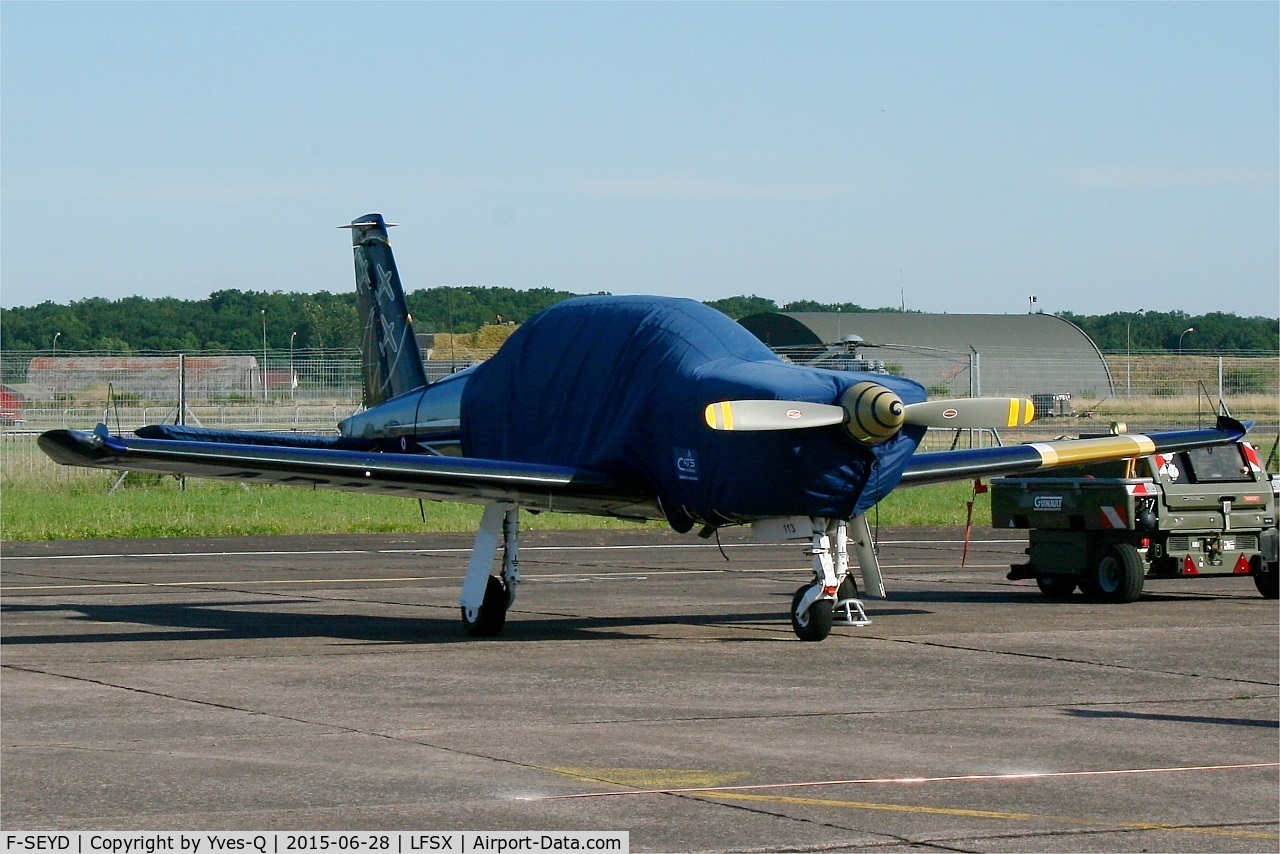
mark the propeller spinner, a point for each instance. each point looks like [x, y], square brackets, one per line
[870, 413]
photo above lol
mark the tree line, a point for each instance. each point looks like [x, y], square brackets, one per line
[238, 320]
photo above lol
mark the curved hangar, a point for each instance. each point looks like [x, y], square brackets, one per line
[950, 354]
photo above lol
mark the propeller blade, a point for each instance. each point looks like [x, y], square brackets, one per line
[971, 412]
[771, 415]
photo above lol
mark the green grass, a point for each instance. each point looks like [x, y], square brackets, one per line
[150, 506]
[940, 504]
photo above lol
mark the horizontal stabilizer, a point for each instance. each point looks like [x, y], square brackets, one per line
[182, 433]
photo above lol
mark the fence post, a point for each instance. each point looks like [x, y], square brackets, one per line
[182, 389]
[975, 373]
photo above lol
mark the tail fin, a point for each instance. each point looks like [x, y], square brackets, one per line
[392, 361]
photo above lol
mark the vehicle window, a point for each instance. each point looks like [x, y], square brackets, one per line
[1217, 464]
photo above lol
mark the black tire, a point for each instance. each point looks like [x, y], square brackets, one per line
[1266, 581]
[848, 589]
[815, 623]
[487, 621]
[1117, 577]
[1056, 586]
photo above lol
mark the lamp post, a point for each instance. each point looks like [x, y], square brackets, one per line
[55, 343]
[1128, 385]
[1184, 335]
[264, 355]
[293, 381]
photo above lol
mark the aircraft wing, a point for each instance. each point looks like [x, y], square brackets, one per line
[938, 466]
[333, 464]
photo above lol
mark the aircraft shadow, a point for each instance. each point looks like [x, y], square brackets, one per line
[1194, 719]
[173, 623]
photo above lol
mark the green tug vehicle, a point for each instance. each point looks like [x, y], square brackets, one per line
[1106, 528]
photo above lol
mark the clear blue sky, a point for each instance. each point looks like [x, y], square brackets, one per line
[1104, 157]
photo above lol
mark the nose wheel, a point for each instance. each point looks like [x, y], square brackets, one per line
[812, 621]
[832, 598]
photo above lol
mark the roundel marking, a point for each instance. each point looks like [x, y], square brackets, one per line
[949, 413]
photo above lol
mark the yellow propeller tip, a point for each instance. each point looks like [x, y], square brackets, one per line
[719, 416]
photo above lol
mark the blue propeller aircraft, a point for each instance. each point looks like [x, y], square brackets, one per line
[632, 407]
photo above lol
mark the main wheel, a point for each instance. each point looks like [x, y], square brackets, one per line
[487, 620]
[1267, 581]
[1056, 586]
[1118, 575]
[815, 623]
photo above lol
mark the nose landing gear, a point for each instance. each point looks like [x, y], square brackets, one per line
[831, 599]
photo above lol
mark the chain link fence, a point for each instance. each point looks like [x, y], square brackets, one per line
[311, 391]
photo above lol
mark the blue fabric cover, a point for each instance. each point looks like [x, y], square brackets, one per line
[625, 381]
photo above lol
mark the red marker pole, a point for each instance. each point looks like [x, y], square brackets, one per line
[978, 488]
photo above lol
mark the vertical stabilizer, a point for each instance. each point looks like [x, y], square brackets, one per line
[392, 361]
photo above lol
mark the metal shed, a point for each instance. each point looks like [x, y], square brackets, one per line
[950, 354]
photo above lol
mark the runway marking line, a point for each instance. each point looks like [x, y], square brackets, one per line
[912, 781]
[467, 550]
[651, 776]
[992, 814]
[626, 777]
[210, 583]
[527, 576]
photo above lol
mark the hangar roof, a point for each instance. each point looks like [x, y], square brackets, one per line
[1016, 354]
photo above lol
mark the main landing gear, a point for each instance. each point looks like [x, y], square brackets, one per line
[831, 599]
[486, 597]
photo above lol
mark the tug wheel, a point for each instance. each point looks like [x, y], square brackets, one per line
[1268, 581]
[1056, 586]
[1117, 577]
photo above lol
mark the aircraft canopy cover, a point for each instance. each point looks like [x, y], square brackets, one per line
[633, 376]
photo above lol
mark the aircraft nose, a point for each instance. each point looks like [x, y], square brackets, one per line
[875, 413]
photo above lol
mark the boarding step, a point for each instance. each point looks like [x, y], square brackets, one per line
[848, 612]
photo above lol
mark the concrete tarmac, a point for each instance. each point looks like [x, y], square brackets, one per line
[643, 683]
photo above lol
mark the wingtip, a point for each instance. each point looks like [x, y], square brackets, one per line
[1233, 428]
[71, 447]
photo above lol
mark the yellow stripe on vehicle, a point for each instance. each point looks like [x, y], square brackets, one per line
[1031, 411]
[1015, 406]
